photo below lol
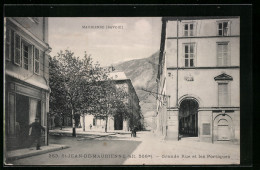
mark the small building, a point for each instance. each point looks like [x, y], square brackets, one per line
[117, 122]
[26, 77]
[198, 79]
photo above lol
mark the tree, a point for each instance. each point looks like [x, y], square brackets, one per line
[110, 100]
[58, 101]
[72, 81]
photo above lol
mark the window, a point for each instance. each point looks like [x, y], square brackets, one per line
[223, 28]
[222, 54]
[25, 55]
[8, 45]
[17, 50]
[223, 95]
[188, 29]
[37, 61]
[189, 55]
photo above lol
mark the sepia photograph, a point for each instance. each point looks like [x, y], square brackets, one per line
[122, 90]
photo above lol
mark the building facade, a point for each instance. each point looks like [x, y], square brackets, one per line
[26, 78]
[199, 79]
[117, 122]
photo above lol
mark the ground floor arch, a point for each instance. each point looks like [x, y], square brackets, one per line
[223, 128]
[188, 118]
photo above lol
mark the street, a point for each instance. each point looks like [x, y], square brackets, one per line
[121, 149]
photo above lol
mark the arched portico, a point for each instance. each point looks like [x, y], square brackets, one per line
[192, 97]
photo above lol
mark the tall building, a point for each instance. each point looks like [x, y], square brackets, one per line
[26, 78]
[118, 122]
[199, 79]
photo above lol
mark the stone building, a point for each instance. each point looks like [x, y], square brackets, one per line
[26, 77]
[117, 122]
[199, 79]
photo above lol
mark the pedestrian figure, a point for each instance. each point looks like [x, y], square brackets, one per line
[90, 126]
[132, 131]
[36, 130]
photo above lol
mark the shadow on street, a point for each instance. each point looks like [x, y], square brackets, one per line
[83, 151]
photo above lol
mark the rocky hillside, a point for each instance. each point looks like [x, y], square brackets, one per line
[143, 73]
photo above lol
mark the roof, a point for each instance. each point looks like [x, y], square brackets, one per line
[120, 77]
[117, 76]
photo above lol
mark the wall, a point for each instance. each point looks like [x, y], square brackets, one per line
[33, 34]
[33, 27]
[43, 76]
[203, 27]
[206, 51]
[203, 86]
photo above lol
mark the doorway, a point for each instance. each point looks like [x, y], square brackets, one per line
[118, 122]
[224, 132]
[22, 120]
[188, 118]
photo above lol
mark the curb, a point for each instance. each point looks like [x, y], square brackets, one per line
[78, 135]
[12, 158]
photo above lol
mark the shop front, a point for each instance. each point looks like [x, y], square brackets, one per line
[24, 102]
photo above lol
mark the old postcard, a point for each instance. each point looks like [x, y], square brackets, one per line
[122, 90]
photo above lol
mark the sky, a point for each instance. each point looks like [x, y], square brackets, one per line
[109, 40]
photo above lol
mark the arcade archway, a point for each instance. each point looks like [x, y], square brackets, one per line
[188, 118]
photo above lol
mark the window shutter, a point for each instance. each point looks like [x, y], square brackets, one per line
[223, 94]
[191, 29]
[219, 55]
[229, 30]
[220, 97]
[36, 61]
[17, 49]
[195, 54]
[229, 54]
[183, 56]
[8, 44]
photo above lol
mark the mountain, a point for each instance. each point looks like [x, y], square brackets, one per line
[143, 73]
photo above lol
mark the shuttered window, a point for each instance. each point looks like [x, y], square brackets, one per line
[223, 94]
[222, 54]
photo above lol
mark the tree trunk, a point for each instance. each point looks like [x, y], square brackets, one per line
[73, 124]
[61, 122]
[84, 122]
[106, 124]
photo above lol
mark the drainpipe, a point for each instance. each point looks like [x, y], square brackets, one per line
[177, 63]
[177, 75]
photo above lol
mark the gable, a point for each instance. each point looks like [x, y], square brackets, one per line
[223, 76]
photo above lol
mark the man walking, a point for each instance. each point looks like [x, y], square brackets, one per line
[36, 132]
